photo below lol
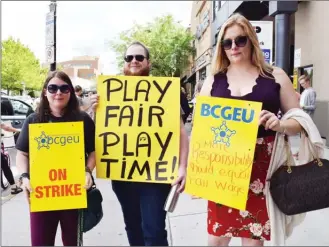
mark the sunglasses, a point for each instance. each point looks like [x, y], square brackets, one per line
[239, 41]
[129, 58]
[53, 88]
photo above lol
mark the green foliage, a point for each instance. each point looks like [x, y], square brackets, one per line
[19, 65]
[170, 45]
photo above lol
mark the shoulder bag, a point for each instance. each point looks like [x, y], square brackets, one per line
[93, 214]
[303, 188]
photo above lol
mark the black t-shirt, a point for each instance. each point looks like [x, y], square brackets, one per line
[88, 129]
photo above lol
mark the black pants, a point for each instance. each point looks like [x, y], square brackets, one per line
[6, 169]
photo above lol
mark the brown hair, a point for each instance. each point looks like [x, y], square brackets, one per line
[77, 88]
[72, 107]
[221, 62]
[147, 52]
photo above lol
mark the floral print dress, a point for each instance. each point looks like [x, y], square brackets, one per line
[254, 222]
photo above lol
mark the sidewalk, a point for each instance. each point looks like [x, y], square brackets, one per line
[186, 226]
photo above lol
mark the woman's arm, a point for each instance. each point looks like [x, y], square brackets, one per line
[23, 166]
[91, 161]
[8, 128]
[289, 100]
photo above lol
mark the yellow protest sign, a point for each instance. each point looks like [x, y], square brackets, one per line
[137, 128]
[295, 79]
[222, 148]
[57, 166]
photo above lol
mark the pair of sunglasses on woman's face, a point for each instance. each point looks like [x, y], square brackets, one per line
[129, 58]
[53, 88]
[239, 41]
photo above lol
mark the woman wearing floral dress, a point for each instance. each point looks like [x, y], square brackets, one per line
[240, 72]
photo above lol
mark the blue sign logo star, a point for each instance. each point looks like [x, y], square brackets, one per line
[223, 134]
[42, 140]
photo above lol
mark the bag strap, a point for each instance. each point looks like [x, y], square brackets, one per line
[80, 228]
[288, 151]
[313, 149]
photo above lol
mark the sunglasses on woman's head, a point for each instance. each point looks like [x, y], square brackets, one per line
[129, 58]
[239, 41]
[53, 88]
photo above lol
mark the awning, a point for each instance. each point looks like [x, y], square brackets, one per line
[183, 79]
[191, 78]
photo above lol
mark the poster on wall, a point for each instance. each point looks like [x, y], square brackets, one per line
[297, 57]
[264, 31]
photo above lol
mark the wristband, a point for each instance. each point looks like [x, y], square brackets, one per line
[25, 175]
[87, 169]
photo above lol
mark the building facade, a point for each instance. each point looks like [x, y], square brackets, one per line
[199, 69]
[311, 55]
[188, 75]
[202, 30]
[85, 67]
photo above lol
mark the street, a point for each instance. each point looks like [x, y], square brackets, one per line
[186, 226]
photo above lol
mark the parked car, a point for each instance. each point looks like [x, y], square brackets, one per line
[14, 110]
[26, 98]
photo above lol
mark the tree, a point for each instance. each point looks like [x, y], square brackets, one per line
[170, 45]
[19, 65]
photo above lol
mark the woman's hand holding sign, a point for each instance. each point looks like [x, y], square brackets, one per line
[270, 121]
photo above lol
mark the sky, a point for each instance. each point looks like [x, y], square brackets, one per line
[84, 27]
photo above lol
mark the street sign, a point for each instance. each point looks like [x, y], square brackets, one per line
[50, 28]
[264, 31]
[50, 56]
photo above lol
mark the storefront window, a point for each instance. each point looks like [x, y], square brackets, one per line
[203, 74]
[216, 6]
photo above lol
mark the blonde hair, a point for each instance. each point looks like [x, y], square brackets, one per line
[221, 62]
[304, 77]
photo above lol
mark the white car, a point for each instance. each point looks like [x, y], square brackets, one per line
[26, 98]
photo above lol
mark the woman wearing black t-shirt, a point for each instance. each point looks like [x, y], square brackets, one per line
[58, 103]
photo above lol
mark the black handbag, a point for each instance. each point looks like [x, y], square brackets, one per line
[93, 214]
[302, 188]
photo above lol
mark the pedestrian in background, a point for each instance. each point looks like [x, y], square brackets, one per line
[79, 93]
[5, 166]
[308, 96]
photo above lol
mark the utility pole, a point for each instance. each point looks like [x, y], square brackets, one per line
[53, 8]
[282, 10]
